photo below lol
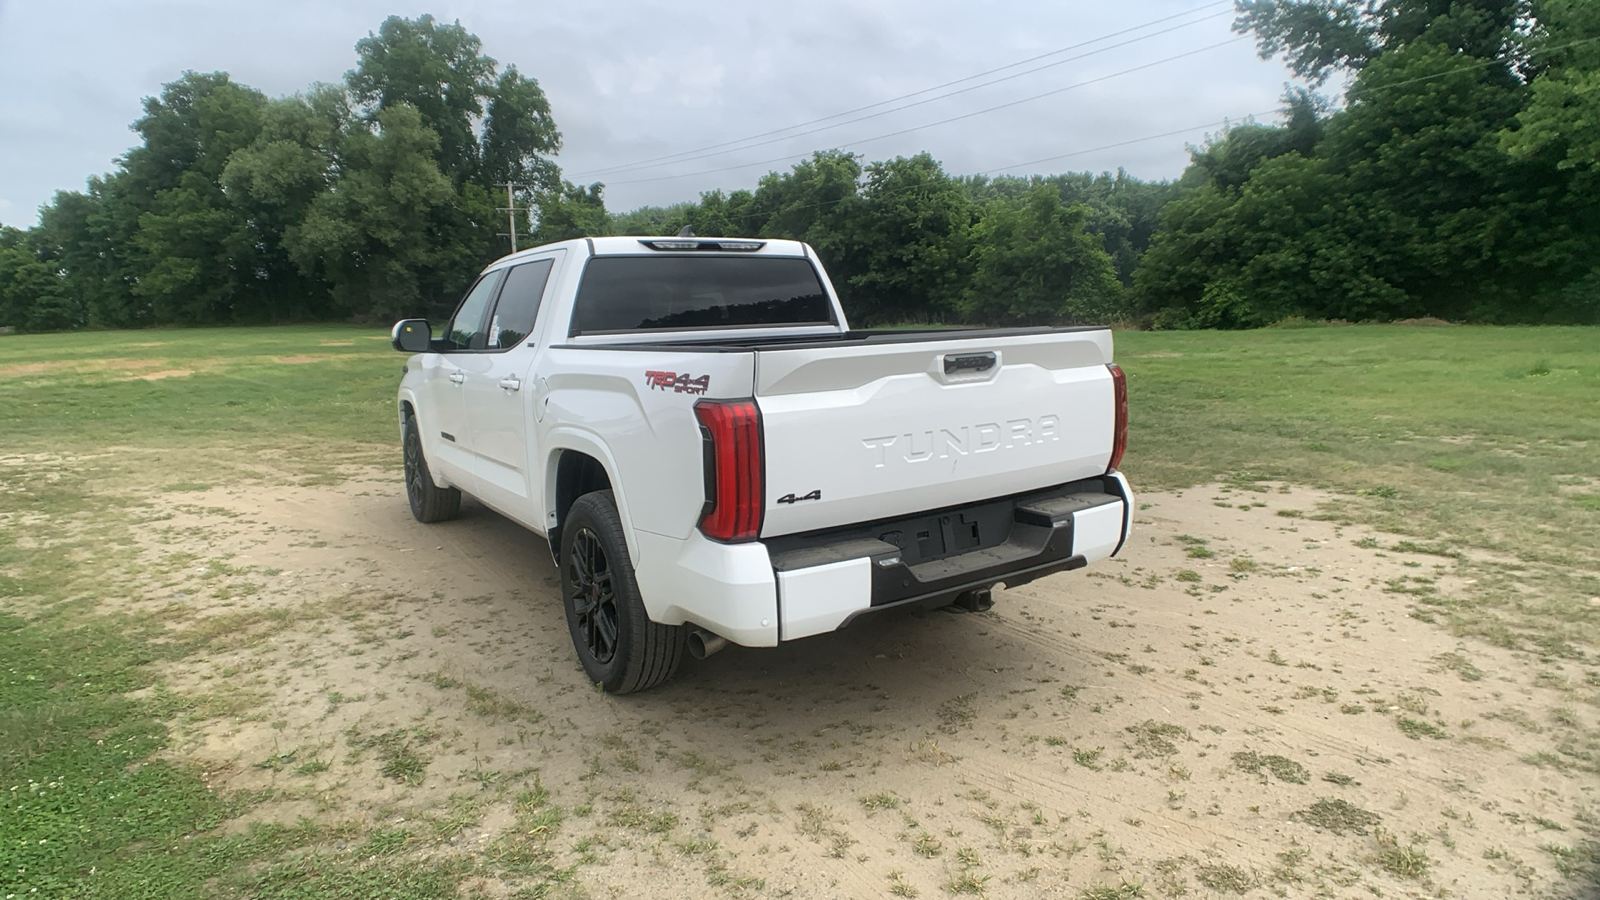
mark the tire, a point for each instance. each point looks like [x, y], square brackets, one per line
[621, 650]
[429, 502]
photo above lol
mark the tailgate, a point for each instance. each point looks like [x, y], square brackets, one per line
[854, 434]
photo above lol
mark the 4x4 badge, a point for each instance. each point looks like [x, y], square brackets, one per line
[790, 498]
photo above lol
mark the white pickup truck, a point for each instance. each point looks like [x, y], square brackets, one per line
[714, 456]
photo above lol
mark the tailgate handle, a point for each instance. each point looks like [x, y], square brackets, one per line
[970, 362]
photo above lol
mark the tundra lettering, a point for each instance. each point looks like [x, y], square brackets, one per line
[922, 446]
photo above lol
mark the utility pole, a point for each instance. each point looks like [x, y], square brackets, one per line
[510, 209]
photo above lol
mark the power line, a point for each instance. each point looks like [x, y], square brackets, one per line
[674, 157]
[1166, 134]
[946, 121]
[789, 137]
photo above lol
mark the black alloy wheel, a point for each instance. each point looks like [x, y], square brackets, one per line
[620, 648]
[429, 502]
[594, 603]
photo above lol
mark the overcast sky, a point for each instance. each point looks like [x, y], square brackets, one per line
[634, 81]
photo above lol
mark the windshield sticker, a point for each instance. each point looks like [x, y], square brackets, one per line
[678, 383]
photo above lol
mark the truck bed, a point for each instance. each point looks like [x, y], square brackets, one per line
[866, 337]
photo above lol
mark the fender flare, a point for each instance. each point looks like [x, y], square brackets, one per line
[564, 438]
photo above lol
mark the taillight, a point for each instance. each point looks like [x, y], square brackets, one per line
[1119, 439]
[732, 431]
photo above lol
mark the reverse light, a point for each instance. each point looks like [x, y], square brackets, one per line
[731, 432]
[1119, 438]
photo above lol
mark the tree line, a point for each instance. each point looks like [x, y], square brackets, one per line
[1458, 176]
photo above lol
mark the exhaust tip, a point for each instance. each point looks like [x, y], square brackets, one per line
[703, 643]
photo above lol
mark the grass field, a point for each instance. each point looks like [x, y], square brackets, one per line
[1466, 439]
[1479, 446]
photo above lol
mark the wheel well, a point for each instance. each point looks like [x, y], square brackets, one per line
[406, 410]
[576, 474]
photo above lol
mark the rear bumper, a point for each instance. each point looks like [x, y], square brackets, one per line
[761, 593]
[826, 580]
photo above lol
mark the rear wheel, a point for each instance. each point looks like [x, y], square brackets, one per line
[429, 502]
[620, 648]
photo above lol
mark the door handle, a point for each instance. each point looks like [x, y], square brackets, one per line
[511, 383]
[457, 377]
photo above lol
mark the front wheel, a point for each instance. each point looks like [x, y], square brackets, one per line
[429, 502]
[620, 648]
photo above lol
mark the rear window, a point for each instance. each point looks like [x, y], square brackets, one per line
[659, 293]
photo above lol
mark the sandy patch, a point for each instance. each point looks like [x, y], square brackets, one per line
[336, 343]
[113, 365]
[164, 373]
[1213, 708]
[302, 359]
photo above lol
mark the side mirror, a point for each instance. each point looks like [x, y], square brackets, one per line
[411, 336]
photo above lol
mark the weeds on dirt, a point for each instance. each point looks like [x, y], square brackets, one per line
[1579, 862]
[817, 824]
[1222, 877]
[1405, 861]
[1152, 738]
[957, 713]
[398, 751]
[899, 886]
[630, 813]
[1281, 767]
[881, 800]
[1417, 729]
[967, 879]
[1337, 816]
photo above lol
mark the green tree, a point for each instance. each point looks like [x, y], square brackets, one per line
[1317, 37]
[572, 211]
[373, 235]
[1036, 263]
[198, 259]
[89, 237]
[909, 243]
[1404, 203]
[296, 157]
[1563, 115]
[438, 70]
[519, 135]
[32, 296]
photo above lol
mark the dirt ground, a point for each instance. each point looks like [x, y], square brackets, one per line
[1240, 704]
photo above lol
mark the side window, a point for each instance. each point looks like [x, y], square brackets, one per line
[465, 331]
[514, 315]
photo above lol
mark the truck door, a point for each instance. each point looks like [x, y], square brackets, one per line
[446, 433]
[499, 392]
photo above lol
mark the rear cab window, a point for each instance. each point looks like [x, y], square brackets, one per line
[633, 294]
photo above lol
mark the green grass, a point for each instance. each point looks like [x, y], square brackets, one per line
[1461, 438]
[245, 388]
